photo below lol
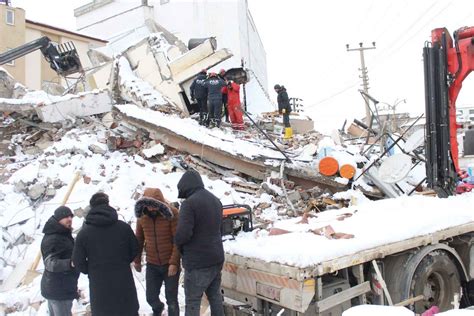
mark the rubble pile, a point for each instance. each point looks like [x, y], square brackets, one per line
[135, 131]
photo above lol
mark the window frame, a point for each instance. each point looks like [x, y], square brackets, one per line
[12, 15]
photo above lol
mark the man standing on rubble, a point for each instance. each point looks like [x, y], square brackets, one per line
[221, 75]
[199, 93]
[104, 249]
[232, 90]
[199, 240]
[214, 86]
[284, 108]
[59, 281]
[156, 228]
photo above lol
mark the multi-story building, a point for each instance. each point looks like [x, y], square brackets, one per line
[465, 114]
[229, 21]
[33, 70]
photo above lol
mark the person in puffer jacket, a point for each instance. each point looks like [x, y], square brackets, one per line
[155, 231]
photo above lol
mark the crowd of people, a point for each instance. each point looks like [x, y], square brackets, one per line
[213, 92]
[106, 247]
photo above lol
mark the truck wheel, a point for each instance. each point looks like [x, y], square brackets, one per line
[437, 278]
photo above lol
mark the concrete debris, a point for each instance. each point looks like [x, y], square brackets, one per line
[99, 149]
[36, 191]
[85, 104]
[7, 84]
[155, 150]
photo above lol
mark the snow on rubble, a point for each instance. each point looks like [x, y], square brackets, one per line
[190, 129]
[397, 220]
[123, 177]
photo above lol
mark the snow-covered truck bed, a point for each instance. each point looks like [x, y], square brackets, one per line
[415, 241]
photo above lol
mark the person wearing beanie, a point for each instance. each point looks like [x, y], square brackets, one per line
[199, 240]
[284, 108]
[104, 249]
[155, 231]
[59, 280]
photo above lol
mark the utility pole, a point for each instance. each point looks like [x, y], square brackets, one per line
[364, 76]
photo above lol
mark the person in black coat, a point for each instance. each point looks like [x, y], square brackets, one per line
[199, 93]
[198, 238]
[214, 86]
[59, 281]
[284, 106]
[221, 75]
[104, 249]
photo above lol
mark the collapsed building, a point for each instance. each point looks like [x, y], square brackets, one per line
[140, 106]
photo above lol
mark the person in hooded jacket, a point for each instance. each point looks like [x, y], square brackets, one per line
[59, 280]
[199, 93]
[104, 249]
[199, 240]
[214, 86]
[156, 228]
[284, 106]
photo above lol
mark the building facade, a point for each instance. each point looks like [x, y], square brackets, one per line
[33, 70]
[229, 21]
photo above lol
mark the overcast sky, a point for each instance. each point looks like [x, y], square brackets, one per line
[305, 42]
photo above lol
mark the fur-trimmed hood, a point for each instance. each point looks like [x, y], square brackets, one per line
[163, 209]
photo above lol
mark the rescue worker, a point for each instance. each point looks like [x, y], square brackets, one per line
[156, 228]
[232, 90]
[59, 281]
[284, 108]
[199, 240]
[199, 94]
[214, 86]
[222, 73]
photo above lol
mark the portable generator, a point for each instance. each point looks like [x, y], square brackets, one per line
[236, 218]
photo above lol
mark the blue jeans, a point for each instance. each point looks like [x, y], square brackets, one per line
[60, 308]
[199, 281]
[155, 276]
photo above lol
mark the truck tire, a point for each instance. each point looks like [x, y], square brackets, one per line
[437, 278]
[435, 275]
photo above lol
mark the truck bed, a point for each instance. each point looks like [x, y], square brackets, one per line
[380, 228]
[287, 269]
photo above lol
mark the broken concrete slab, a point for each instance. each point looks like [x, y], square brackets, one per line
[155, 150]
[7, 84]
[36, 191]
[149, 59]
[85, 104]
[301, 125]
[98, 148]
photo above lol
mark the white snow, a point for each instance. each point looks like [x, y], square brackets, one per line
[40, 97]
[373, 224]
[116, 173]
[189, 128]
[158, 149]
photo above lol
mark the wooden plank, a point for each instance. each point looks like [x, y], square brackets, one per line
[342, 297]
